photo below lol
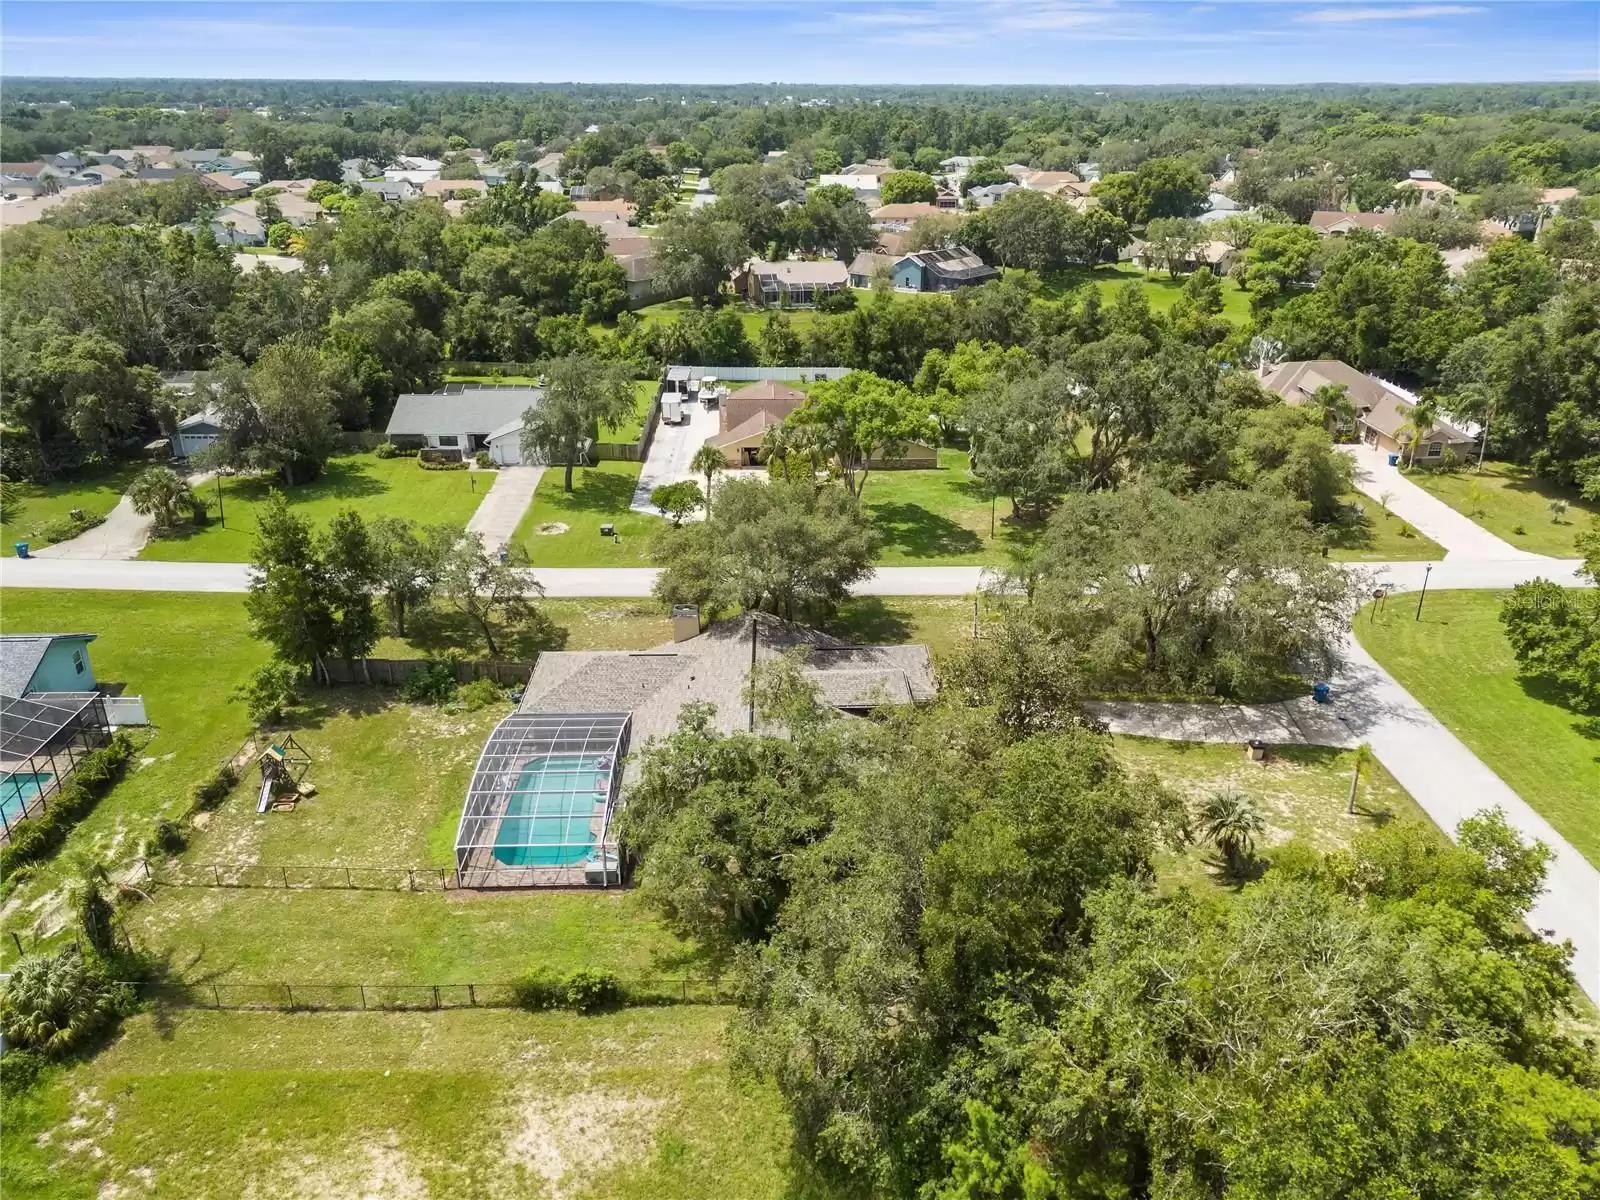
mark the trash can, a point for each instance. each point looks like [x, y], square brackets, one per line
[608, 530]
[1394, 460]
[1320, 692]
[21, 549]
[1257, 750]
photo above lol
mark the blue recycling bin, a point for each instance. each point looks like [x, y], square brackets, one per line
[1320, 692]
[21, 549]
[1394, 460]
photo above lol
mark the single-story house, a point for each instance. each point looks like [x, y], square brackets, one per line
[1054, 183]
[415, 178]
[941, 270]
[196, 432]
[465, 418]
[902, 216]
[866, 188]
[867, 265]
[548, 167]
[233, 227]
[25, 172]
[746, 415]
[615, 210]
[1433, 192]
[986, 195]
[1458, 260]
[298, 186]
[1219, 257]
[1557, 196]
[790, 283]
[102, 173]
[452, 189]
[226, 186]
[1381, 408]
[391, 191]
[1337, 224]
[66, 161]
[45, 662]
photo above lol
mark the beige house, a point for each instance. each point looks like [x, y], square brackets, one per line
[454, 189]
[1337, 224]
[1433, 192]
[790, 283]
[747, 415]
[1383, 411]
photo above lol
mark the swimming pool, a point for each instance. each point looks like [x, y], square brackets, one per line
[548, 815]
[17, 791]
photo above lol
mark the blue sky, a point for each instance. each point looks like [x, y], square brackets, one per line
[812, 41]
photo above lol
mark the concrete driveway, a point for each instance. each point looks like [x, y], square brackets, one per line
[500, 511]
[671, 450]
[119, 537]
[1459, 535]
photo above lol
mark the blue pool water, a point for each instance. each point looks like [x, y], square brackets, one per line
[17, 791]
[547, 819]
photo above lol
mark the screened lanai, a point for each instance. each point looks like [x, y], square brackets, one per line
[43, 737]
[540, 805]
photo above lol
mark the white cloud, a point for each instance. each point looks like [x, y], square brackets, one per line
[1400, 12]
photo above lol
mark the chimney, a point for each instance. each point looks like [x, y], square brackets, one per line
[685, 622]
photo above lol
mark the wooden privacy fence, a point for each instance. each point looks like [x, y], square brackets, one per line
[398, 670]
[401, 997]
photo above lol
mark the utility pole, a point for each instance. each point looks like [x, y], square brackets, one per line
[221, 515]
[1426, 571]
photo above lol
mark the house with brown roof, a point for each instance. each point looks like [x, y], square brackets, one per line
[1383, 411]
[226, 185]
[454, 189]
[1432, 191]
[745, 416]
[901, 216]
[620, 210]
[1337, 224]
[791, 283]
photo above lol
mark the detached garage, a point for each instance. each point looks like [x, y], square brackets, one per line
[466, 418]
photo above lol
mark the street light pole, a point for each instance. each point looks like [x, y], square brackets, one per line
[1426, 571]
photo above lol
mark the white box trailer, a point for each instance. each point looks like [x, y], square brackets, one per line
[671, 410]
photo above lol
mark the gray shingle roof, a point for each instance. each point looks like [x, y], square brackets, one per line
[20, 656]
[477, 410]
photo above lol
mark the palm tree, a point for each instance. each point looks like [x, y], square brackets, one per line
[708, 461]
[1424, 416]
[162, 493]
[778, 442]
[1231, 822]
[87, 897]
[51, 1004]
[49, 185]
[1363, 759]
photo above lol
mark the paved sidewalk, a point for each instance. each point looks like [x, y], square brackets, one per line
[1459, 535]
[499, 512]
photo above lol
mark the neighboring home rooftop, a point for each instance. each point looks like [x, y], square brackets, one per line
[1428, 187]
[799, 272]
[904, 214]
[1297, 382]
[444, 189]
[1560, 195]
[23, 654]
[1053, 182]
[1382, 409]
[1335, 224]
[480, 408]
[954, 264]
[714, 666]
[988, 193]
[1457, 261]
[620, 209]
[224, 184]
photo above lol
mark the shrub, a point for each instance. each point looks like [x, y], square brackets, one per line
[1520, 530]
[169, 837]
[592, 991]
[38, 837]
[837, 302]
[427, 465]
[1406, 531]
[481, 693]
[20, 1070]
[386, 450]
[431, 683]
[485, 463]
[53, 1004]
[64, 529]
[269, 690]
[215, 790]
[539, 990]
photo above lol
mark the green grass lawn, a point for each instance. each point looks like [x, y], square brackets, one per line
[374, 487]
[940, 516]
[571, 521]
[215, 1105]
[1377, 537]
[1507, 498]
[38, 504]
[752, 318]
[1457, 663]
[1301, 792]
[1159, 288]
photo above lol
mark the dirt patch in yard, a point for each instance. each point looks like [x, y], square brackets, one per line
[551, 528]
[563, 1140]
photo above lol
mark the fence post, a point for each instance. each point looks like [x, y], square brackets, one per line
[472, 994]
[436, 997]
[145, 862]
[363, 989]
[411, 874]
[289, 992]
[216, 997]
[284, 871]
[18, 941]
[347, 882]
[216, 877]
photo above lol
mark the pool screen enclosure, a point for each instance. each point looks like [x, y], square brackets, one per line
[540, 805]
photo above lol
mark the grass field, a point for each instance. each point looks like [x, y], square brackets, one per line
[374, 487]
[1506, 498]
[1377, 537]
[38, 504]
[572, 521]
[1159, 288]
[940, 516]
[501, 1104]
[1457, 663]
[1301, 792]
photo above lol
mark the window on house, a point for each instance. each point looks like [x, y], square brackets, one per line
[1435, 449]
[77, 661]
[449, 439]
